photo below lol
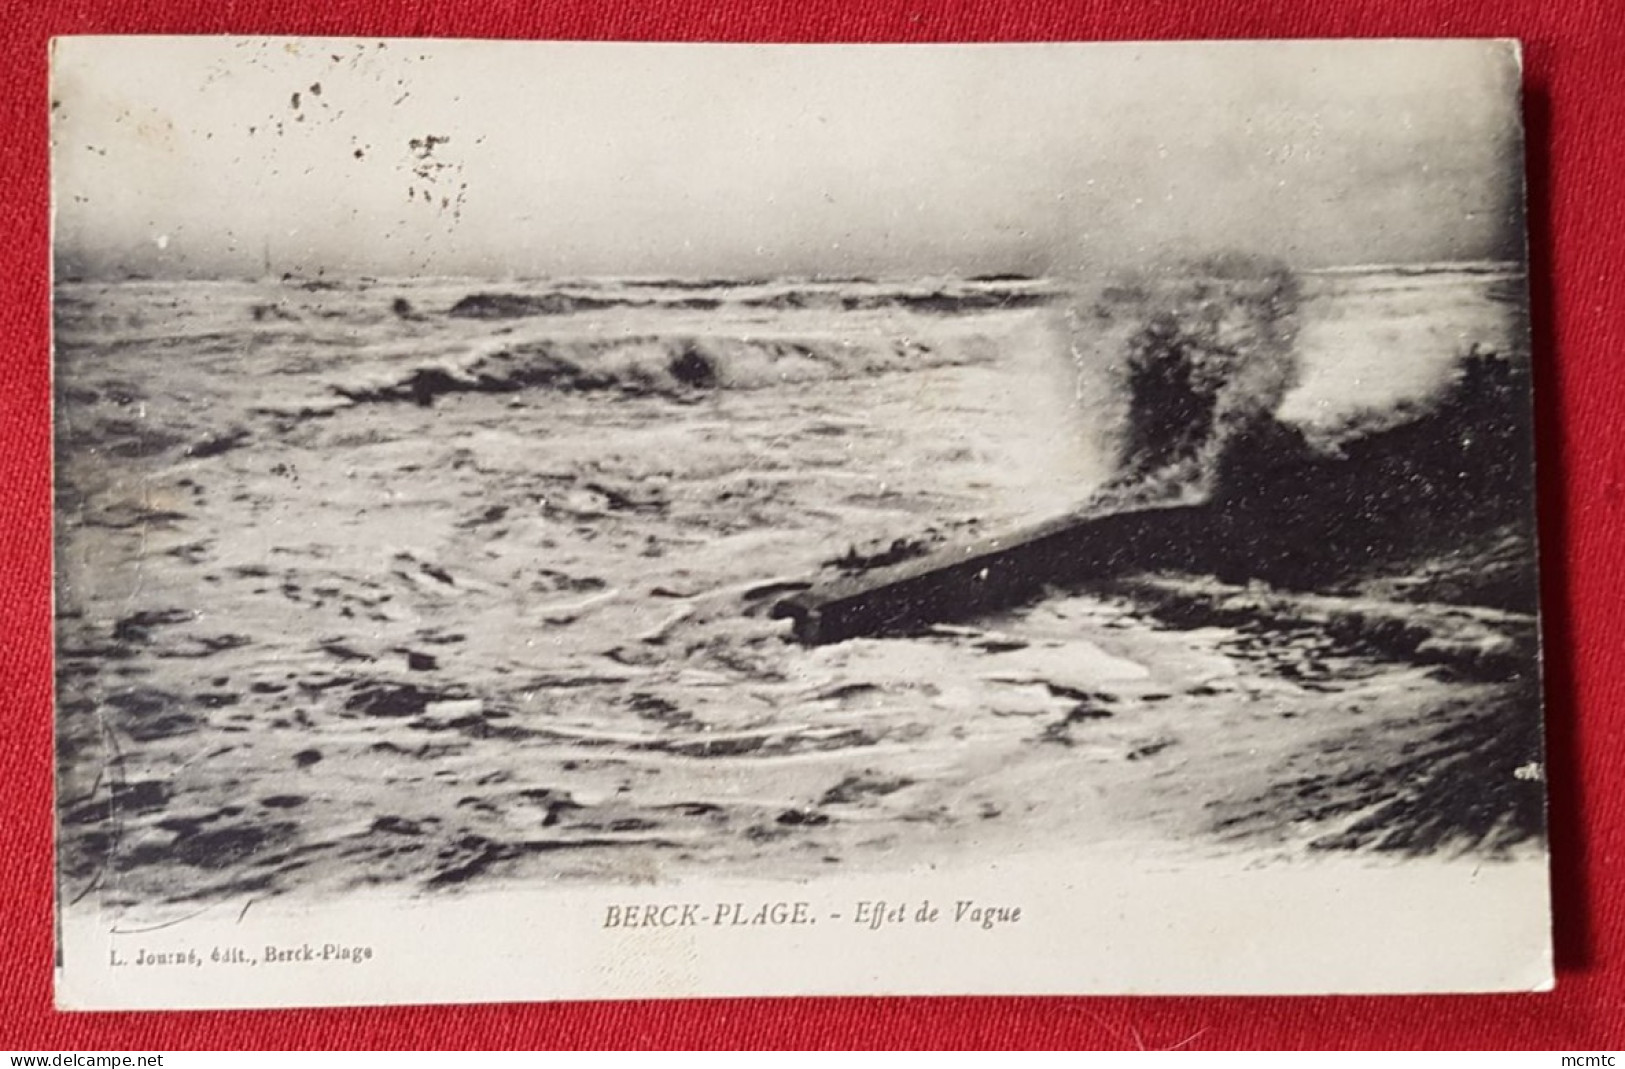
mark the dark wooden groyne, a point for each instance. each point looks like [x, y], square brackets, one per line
[1452, 482]
[959, 581]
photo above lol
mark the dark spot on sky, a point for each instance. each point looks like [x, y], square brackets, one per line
[315, 89]
[359, 154]
[295, 101]
[424, 146]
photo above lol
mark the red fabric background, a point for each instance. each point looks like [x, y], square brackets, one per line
[1575, 82]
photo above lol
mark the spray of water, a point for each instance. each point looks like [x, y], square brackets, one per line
[1197, 357]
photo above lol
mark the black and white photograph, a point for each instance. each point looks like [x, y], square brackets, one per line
[560, 520]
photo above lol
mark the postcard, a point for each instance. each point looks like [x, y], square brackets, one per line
[579, 520]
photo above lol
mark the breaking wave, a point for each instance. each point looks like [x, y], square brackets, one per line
[947, 297]
[667, 365]
[1199, 355]
[1200, 360]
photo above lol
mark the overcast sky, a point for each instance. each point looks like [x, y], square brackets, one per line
[203, 156]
